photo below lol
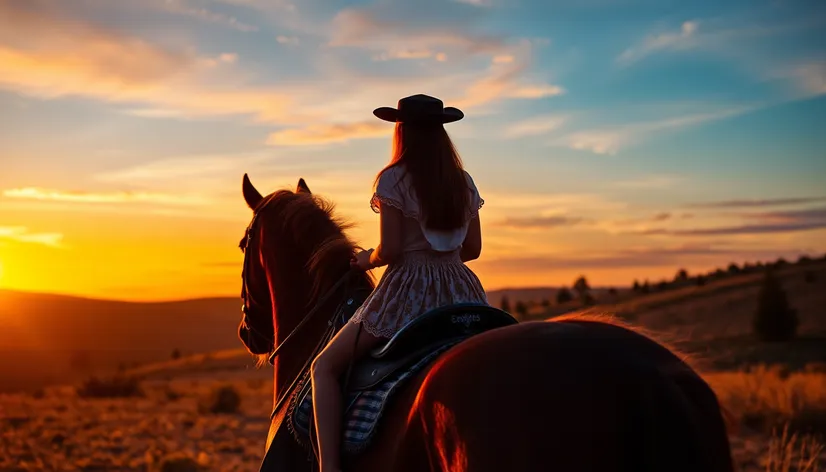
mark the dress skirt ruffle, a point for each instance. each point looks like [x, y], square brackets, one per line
[420, 281]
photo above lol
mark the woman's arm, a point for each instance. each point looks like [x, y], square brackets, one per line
[472, 245]
[390, 246]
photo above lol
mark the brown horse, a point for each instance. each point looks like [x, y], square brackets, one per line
[574, 393]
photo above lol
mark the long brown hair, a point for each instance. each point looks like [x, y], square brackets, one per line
[438, 178]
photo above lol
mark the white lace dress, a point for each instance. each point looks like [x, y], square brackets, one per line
[429, 274]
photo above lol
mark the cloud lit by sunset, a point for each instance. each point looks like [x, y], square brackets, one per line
[607, 138]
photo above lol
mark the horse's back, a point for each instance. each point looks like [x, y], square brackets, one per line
[571, 396]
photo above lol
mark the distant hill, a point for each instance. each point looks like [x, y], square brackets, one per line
[46, 338]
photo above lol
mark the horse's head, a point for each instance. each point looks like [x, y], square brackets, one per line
[294, 251]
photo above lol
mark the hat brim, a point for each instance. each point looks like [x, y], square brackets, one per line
[449, 115]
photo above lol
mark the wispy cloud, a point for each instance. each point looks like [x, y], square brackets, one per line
[182, 7]
[541, 222]
[649, 182]
[476, 3]
[807, 76]
[34, 193]
[551, 204]
[324, 134]
[788, 221]
[361, 28]
[739, 230]
[282, 39]
[21, 234]
[537, 125]
[684, 38]
[630, 258]
[758, 202]
[611, 139]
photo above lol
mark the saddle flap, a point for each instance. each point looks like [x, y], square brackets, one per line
[371, 371]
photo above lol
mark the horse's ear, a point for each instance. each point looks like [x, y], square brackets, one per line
[251, 195]
[302, 187]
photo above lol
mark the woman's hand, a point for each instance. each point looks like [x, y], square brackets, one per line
[362, 260]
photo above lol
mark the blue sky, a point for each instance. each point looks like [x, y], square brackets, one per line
[596, 130]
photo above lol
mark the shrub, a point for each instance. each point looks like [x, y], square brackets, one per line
[774, 321]
[563, 296]
[810, 277]
[113, 387]
[223, 399]
[179, 462]
[521, 308]
[701, 281]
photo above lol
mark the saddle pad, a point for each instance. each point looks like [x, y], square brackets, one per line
[363, 408]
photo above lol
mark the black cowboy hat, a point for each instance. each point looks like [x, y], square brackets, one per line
[419, 109]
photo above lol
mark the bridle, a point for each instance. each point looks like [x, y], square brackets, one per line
[251, 308]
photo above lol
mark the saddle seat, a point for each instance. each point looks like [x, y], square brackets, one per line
[427, 333]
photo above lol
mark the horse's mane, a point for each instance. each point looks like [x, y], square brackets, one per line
[609, 318]
[307, 222]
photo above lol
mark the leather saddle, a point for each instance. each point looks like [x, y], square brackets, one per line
[431, 331]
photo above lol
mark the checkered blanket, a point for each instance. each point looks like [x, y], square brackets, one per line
[363, 408]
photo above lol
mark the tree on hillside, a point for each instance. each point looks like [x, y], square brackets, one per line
[682, 276]
[780, 263]
[581, 286]
[545, 303]
[521, 309]
[612, 291]
[636, 287]
[646, 287]
[663, 285]
[505, 304]
[701, 280]
[733, 268]
[804, 259]
[563, 296]
[775, 320]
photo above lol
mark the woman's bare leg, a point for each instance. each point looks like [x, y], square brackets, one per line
[327, 368]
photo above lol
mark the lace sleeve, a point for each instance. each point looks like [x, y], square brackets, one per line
[387, 192]
[476, 200]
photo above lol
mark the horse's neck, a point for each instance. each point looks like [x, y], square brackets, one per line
[293, 305]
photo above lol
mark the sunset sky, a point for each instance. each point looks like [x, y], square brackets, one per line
[618, 139]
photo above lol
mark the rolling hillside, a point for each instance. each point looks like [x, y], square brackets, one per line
[51, 338]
